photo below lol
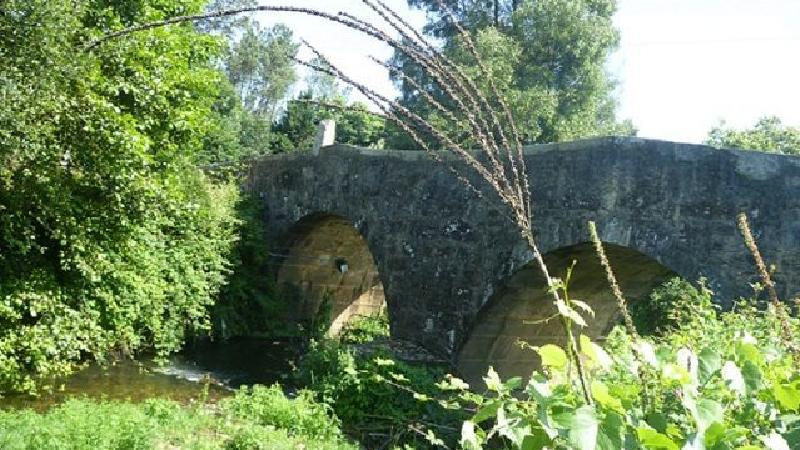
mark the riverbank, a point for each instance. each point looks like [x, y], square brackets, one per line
[253, 419]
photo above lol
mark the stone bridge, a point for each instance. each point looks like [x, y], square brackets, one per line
[359, 226]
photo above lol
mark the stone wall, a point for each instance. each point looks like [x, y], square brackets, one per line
[442, 253]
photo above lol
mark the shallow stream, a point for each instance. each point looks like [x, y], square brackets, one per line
[222, 366]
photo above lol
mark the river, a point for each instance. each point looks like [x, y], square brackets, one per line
[223, 366]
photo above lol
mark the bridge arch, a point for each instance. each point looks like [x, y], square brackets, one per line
[329, 273]
[522, 310]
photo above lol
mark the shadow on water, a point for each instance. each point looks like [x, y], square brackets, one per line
[222, 366]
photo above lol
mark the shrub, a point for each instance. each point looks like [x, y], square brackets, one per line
[300, 416]
[380, 400]
[676, 304]
[261, 419]
[714, 381]
[365, 329]
[250, 304]
[111, 239]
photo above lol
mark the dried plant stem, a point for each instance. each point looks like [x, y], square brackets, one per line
[749, 240]
[780, 309]
[622, 303]
[518, 173]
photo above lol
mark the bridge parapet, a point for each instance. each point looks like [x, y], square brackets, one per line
[442, 253]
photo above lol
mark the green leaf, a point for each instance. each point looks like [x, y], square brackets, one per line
[748, 352]
[601, 395]
[569, 313]
[486, 411]
[775, 442]
[658, 421]
[707, 412]
[653, 440]
[469, 440]
[787, 396]
[552, 356]
[492, 380]
[733, 377]
[752, 376]
[595, 353]
[709, 362]
[714, 435]
[538, 387]
[611, 434]
[421, 397]
[584, 306]
[537, 440]
[583, 429]
[513, 383]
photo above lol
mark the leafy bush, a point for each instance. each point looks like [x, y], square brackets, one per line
[727, 381]
[259, 419]
[250, 304]
[365, 329]
[676, 304]
[300, 416]
[379, 400]
[111, 239]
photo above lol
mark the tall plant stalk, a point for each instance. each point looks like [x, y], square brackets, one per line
[787, 334]
[503, 171]
[622, 304]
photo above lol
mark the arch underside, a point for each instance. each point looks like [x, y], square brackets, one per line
[331, 272]
[523, 310]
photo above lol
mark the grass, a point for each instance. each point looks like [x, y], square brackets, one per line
[255, 419]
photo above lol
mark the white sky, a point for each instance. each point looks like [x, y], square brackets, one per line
[683, 65]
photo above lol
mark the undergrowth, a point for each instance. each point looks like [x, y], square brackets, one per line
[377, 397]
[254, 419]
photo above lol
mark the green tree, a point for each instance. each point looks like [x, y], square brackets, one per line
[111, 239]
[547, 58]
[769, 134]
[326, 98]
[261, 69]
[355, 124]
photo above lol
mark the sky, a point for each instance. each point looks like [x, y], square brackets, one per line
[682, 65]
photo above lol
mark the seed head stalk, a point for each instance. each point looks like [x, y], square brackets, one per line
[787, 334]
[622, 304]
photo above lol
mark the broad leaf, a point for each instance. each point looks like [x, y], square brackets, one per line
[709, 362]
[583, 429]
[552, 356]
[653, 440]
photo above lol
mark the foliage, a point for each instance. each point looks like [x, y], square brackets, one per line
[260, 67]
[377, 398]
[250, 304]
[364, 329]
[261, 418]
[546, 58]
[730, 383]
[112, 240]
[769, 134]
[355, 124]
[676, 304]
[300, 416]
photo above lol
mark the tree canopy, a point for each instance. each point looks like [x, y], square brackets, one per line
[768, 134]
[112, 240]
[546, 57]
